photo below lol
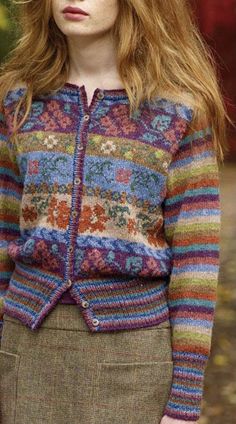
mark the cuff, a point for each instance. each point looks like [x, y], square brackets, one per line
[187, 390]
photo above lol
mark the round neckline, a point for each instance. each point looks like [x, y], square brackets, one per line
[106, 91]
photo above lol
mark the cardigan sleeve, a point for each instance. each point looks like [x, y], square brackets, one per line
[10, 195]
[192, 220]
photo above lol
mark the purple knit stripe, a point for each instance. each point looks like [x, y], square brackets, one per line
[9, 231]
[104, 284]
[192, 200]
[136, 298]
[197, 254]
[17, 310]
[21, 294]
[11, 180]
[193, 308]
[40, 278]
[137, 322]
[30, 288]
[117, 286]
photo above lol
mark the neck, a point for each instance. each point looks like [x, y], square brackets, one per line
[93, 60]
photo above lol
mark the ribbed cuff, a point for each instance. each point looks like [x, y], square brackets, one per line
[187, 390]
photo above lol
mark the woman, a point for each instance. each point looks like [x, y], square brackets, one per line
[112, 127]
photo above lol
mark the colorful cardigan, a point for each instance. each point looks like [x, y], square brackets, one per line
[122, 210]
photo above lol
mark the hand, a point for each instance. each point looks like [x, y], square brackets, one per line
[169, 420]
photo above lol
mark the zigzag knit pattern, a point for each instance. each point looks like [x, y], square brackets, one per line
[121, 211]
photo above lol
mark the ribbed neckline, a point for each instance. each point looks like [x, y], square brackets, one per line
[106, 91]
[68, 86]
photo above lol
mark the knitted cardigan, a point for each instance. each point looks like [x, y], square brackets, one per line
[122, 211]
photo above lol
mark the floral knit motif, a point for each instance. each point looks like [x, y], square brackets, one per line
[123, 212]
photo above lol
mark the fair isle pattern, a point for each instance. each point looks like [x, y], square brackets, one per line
[123, 212]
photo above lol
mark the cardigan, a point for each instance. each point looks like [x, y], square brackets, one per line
[120, 211]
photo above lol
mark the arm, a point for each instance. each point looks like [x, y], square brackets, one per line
[10, 195]
[192, 227]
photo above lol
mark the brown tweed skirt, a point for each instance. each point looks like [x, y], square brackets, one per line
[62, 373]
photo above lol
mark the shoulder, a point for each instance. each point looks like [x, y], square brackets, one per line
[182, 97]
[192, 109]
[14, 94]
[178, 105]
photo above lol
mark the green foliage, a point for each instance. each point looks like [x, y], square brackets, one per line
[4, 22]
[6, 29]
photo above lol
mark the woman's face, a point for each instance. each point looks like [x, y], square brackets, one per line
[100, 19]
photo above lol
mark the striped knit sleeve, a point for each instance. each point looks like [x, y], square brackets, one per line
[192, 220]
[10, 194]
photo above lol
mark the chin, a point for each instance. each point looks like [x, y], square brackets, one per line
[73, 29]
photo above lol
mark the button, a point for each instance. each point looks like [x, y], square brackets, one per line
[85, 303]
[86, 117]
[69, 283]
[77, 180]
[80, 147]
[95, 322]
[74, 214]
[70, 248]
[165, 164]
[100, 95]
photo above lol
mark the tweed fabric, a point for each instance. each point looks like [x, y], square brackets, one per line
[122, 211]
[64, 373]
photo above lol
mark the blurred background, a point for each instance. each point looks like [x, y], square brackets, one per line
[217, 22]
